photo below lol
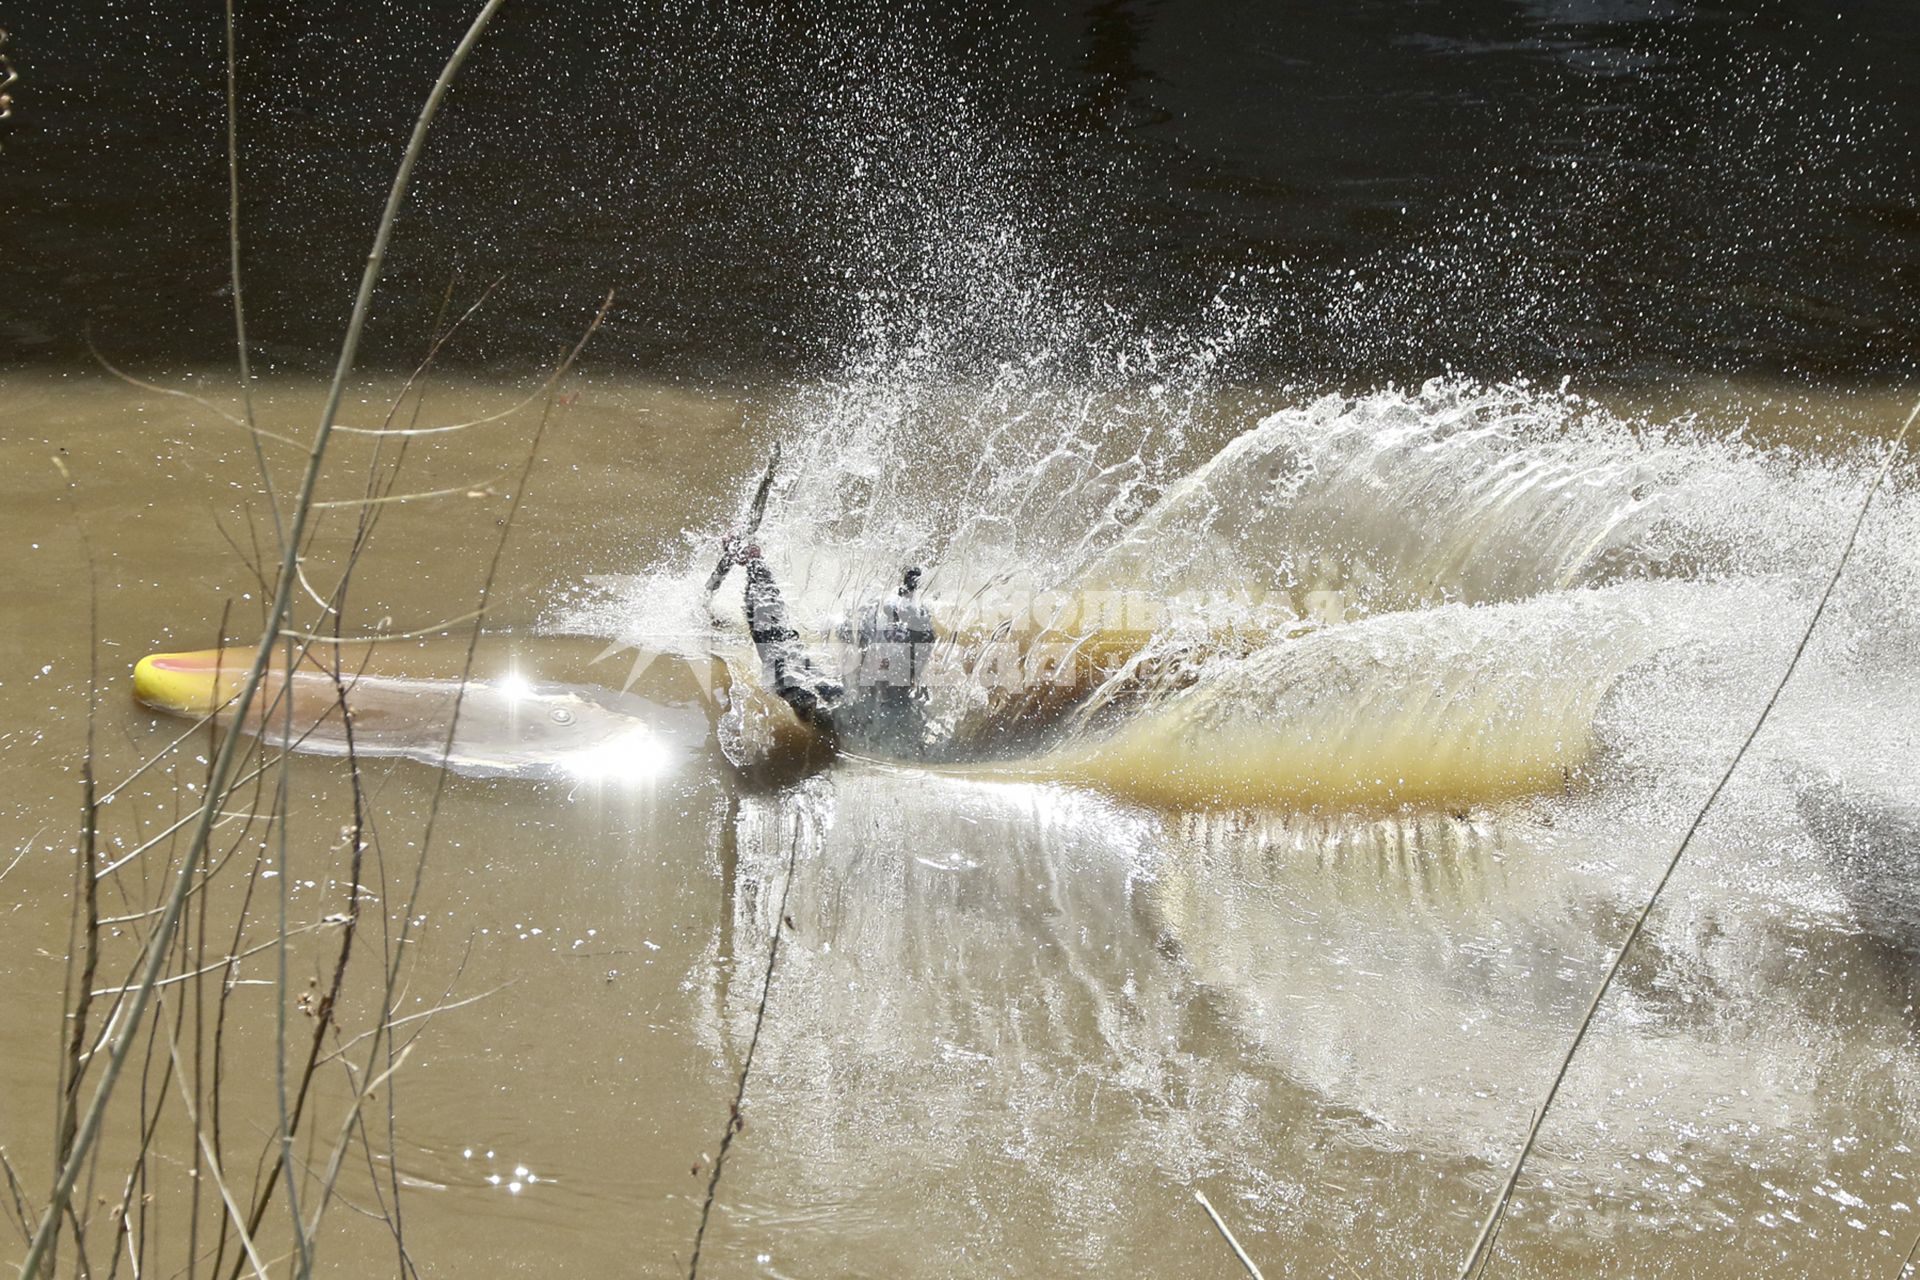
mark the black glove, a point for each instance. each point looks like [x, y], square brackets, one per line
[735, 549]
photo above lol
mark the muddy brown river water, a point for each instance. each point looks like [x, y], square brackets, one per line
[1014, 1025]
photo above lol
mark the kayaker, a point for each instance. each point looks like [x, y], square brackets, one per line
[874, 699]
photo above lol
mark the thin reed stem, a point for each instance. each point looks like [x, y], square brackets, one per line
[300, 1094]
[1907, 1262]
[233, 256]
[160, 945]
[87, 887]
[735, 1120]
[1481, 1255]
[1220, 1225]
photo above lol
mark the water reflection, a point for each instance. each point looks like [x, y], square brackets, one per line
[1048, 1039]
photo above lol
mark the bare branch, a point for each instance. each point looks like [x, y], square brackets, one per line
[233, 255]
[735, 1121]
[435, 629]
[202, 401]
[1227, 1235]
[213, 1162]
[478, 489]
[160, 944]
[1481, 1255]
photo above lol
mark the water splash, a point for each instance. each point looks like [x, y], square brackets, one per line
[1430, 596]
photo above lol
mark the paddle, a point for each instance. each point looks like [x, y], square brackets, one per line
[746, 531]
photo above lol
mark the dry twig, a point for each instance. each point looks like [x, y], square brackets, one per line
[1221, 1226]
[735, 1120]
[160, 944]
[1481, 1254]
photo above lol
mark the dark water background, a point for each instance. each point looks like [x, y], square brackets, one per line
[1621, 190]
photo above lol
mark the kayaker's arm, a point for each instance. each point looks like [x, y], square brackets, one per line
[796, 678]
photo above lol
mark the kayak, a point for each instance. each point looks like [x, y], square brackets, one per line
[513, 717]
[559, 706]
[1438, 708]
